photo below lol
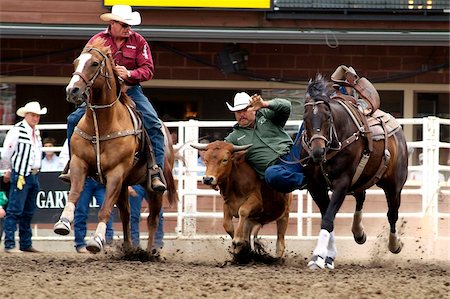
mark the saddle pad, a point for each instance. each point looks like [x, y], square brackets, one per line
[374, 121]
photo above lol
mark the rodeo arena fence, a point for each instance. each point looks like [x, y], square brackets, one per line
[199, 211]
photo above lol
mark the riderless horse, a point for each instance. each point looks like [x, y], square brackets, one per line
[111, 146]
[346, 152]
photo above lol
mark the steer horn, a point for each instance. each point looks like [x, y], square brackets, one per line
[200, 146]
[237, 148]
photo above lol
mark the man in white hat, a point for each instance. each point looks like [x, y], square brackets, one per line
[134, 64]
[21, 154]
[261, 123]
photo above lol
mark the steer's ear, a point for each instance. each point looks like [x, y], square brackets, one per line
[239, 157]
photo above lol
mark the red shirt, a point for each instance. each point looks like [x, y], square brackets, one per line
[134, 54]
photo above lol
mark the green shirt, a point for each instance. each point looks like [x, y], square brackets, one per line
[3, 199]
[268, 138]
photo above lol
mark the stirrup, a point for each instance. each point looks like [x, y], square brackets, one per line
[157, 184]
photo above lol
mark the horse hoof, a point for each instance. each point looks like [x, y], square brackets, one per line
[94, 245]
[362, 239]
[329, 263]
[394, 245]
[62, 227]
[398, 249]
[317, 262]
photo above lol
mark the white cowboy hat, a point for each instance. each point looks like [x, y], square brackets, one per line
[241, 101]
[122, 13]
[32, 107]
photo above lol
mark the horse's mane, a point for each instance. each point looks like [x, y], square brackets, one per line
[319, 88]
[100, 44]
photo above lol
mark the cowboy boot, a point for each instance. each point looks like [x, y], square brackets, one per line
[65, 174]
[155, 172]
[157, 184]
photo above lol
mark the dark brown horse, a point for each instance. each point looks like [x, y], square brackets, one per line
[346, 153]
[111, 146]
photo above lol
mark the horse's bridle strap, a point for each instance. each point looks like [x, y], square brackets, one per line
[82, 76]
[107, 136]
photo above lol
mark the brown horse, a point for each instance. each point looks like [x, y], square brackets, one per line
[111, 146]
[347, 153]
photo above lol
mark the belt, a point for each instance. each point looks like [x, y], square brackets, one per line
[34, 171]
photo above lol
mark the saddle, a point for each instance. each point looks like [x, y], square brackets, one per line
[346, 76]
[374, 127]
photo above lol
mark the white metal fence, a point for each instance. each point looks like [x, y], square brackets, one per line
[434, 191]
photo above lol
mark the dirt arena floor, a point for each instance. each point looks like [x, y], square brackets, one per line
[182, 274]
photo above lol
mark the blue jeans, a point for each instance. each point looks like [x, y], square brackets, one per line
[91, 188]
[287, 173]
[135, 207]
[150, 119]
[21, 208]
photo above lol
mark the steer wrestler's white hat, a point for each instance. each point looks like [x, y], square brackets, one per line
[241, 101]
[122, 13]
[32, 107]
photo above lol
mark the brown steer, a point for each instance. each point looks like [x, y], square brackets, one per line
[245, 195]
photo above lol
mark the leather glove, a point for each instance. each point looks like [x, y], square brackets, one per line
[20, 182]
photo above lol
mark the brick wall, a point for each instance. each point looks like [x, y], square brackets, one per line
[22, 57]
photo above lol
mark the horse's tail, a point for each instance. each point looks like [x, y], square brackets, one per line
[172, 195]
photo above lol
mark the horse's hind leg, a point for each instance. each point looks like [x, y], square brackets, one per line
[155, 204]
[393, 201]
[124, 208]
[357, 228]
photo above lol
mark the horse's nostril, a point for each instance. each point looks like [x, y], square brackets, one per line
[318, 154]
[74, 90]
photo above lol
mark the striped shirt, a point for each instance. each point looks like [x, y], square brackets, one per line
[21, 150]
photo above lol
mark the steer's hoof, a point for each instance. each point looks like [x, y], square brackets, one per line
[316, 262]
[94, 245]
[62, 227]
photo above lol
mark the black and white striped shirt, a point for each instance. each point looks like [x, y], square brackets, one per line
[21, 152]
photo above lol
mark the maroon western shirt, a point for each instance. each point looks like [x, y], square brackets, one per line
[134, 54]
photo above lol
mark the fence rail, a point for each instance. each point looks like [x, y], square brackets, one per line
[432, 191]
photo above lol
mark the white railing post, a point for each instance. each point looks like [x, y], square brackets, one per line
[190, 201]
[430, 187]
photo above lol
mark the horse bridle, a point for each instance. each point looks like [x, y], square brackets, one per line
[332, 135]
[88, 93]
[101, 70]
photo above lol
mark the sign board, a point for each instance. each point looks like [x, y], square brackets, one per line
[217, 4]
[53, 197]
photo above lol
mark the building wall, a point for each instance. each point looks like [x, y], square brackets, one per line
[198, 61]
[88, 11]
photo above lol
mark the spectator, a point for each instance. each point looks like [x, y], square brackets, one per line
[91, 189]
[136, 195]
[22, 152]
[50, 162]
[3, 203]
